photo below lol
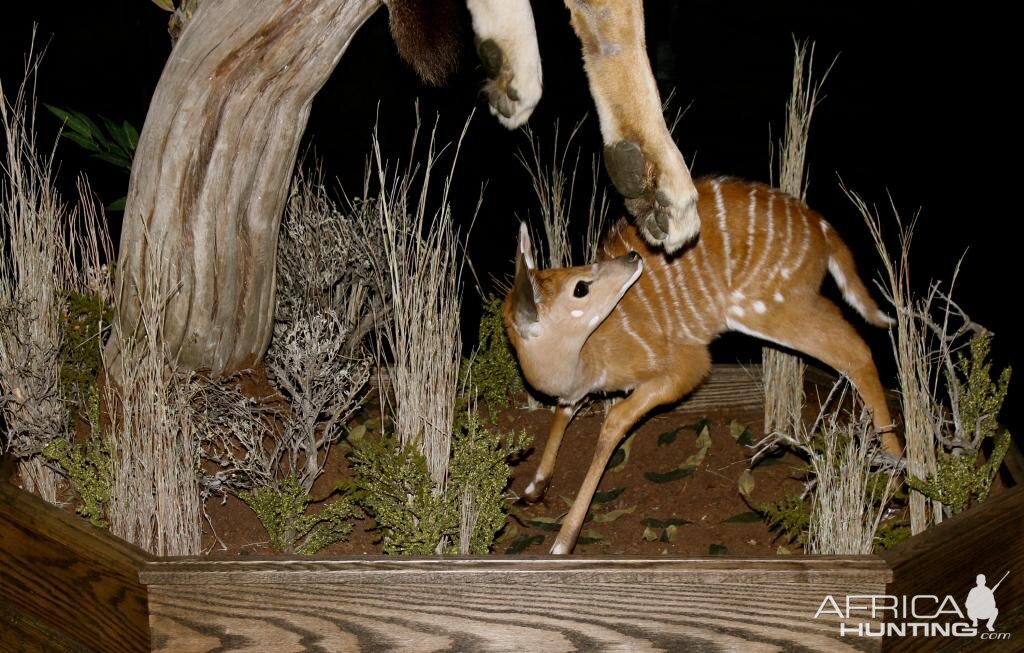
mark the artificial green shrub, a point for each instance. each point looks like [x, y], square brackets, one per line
[414, 519]
[81, 346]
[480, 469]
[493, 369]
[961, 478]
[87, 467]
[283, 512]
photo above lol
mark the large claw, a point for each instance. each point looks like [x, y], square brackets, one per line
[514, 84]
[665, 209]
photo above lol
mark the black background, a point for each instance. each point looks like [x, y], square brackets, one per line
[917, 108]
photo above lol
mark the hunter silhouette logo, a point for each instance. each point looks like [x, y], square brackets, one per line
[921, 615]
[981, 602]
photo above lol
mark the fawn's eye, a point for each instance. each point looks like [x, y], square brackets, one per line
[581, 289]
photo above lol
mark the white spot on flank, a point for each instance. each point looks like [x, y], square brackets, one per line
[786, 273]
[759, 307]
[737, 296]
[778, 297]
[737, 311]
[577, 312]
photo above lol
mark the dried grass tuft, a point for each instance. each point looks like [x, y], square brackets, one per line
[47, 251]
[850, 484]
[156, 499]
[418, 271]
[783, 373]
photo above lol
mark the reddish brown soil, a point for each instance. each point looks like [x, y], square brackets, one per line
[705, 500]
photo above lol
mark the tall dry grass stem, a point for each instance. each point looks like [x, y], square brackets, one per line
[47, 251]
[929, 335]
[156, 497]
[783, 373]
[848, 499]
[418, 271]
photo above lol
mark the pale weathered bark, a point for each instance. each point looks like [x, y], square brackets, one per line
[212, 168]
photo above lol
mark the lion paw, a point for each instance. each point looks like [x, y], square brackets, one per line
[663, 202]
[514, 86]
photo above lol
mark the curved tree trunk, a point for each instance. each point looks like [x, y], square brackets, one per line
[212, 169]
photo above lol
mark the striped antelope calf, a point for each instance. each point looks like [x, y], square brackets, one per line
[637, 321]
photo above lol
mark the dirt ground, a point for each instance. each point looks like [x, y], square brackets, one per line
[694, 514]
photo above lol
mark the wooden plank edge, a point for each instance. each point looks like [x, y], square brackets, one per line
[869, 569]
[35, 514]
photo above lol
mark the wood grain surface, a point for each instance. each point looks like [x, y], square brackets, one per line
[60, 575]
[504, 604]
[944, 560]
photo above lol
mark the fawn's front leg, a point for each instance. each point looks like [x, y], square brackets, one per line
[621, 418]
[506, 40]
[542, 477]
[642, 160]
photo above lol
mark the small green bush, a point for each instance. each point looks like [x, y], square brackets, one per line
[493, 369]
[788, 518]
[393, 485]
[283, 512]
[480, 471]
[891, 533]
[81, 346]
[961, 478]
[87, 467]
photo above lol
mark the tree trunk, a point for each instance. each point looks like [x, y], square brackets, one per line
[212, 170]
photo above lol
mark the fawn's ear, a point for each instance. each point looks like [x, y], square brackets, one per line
[524, 298]
[525, 246]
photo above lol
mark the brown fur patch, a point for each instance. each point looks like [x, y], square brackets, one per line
[428, 34]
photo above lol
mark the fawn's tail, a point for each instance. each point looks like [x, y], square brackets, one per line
[844, 271]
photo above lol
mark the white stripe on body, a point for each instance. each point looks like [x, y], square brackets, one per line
[723, 229]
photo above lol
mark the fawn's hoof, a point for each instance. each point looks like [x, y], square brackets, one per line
[534, 492]
[560, 548]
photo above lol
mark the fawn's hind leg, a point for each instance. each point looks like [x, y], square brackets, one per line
[817, 328]
[542, 477]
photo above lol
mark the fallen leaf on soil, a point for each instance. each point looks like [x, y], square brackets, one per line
[668, 477]
[703, 444]
[669, 534]
[621, 455]
[664, 523]
[744, 518]
[590, 537]
[741, 433]
[545, 523]
[668, 437]
[699, 425]
[746, 483]
[520, 543]
[607, 497]
[612, 515]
